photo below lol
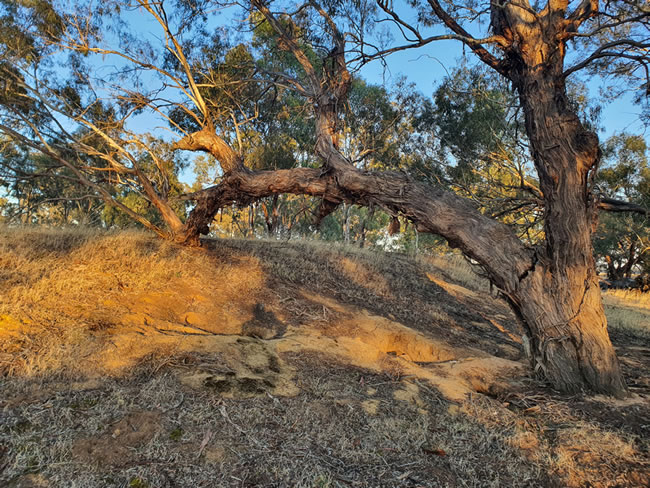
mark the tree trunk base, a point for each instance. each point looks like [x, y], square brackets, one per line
[569, 345]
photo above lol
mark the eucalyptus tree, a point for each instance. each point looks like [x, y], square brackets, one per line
[553, 287]
[39, 190]
[537, 47]
[622, 240]
[77, 112]
[477, 119]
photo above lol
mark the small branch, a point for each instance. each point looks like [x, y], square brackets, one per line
[613, 205]
[475, 46]
[602, 51]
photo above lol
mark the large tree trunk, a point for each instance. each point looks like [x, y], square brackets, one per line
[559, 300]
[567, 336]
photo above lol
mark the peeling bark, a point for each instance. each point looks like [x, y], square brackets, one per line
[559, 299]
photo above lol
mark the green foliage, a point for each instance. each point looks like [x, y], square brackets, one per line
[476, 120]
[471, 114]
[385, 129]
[176, 434]
[625, 170]
[138, 483]
[622, 241]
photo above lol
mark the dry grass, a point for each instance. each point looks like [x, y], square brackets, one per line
[458, 269]
[299, 441]
[125, 365]
[628, 311]
[61, 288]
[392, 285]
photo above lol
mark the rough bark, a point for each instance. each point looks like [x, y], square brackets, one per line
[271, 216]
[346, 223]
[559, 299]
[167, 213]
[432, 209]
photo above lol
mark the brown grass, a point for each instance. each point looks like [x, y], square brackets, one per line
[628, 311]
[61, 289]
[128, 361]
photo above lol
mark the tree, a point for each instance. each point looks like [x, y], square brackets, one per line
[42, 191]
[557, 295]
[622, 239]
[553, 287]
[477, 120]
[52, 108]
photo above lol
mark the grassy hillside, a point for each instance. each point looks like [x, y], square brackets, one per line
[127, 361]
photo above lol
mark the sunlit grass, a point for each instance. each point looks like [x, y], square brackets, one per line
[60, 288]
[628, 310]
[68, 295]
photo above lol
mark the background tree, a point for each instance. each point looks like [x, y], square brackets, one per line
[622, 240]
[477, 119]
[54, 107]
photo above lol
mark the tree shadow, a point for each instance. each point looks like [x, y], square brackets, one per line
[391, 285]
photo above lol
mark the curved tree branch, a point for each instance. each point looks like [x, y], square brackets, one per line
[433, 210]
[602, 51]
[478, 49]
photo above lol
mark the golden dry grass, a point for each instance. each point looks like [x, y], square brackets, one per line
[628, 311]
[251, 363]
[61, 288]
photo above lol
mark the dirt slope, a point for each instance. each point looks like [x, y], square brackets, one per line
[132, 362]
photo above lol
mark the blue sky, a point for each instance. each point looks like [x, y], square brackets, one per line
[428, 65]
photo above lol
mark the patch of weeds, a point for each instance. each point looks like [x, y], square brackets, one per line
[176, 434]
[138, 483]
[32, 465]
[322, 481]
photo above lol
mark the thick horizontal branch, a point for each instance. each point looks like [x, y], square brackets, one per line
[433, 210]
